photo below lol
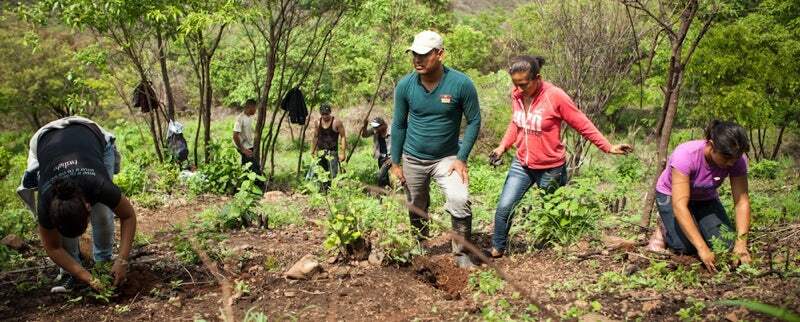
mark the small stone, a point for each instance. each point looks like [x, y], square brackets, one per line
[14, 242]
[376, 257]
[580, 304]
[633, 314]
[331, 259]
[594, 317]
[242, 248]
[304, 268]
[289, 294]
[340, 272]
[611, 241]
[175, 301]
[650, 306]
[731, 317]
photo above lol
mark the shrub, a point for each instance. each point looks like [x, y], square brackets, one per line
[17, 221]
[131, 180]
[564, 216]
[223, 171]
[764, 169]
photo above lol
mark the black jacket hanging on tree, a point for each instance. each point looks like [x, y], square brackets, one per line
[145, 97]
[295, 103]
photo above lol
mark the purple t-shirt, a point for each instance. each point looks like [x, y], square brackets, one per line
[704, 179]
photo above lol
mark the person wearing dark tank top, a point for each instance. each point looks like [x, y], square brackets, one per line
[329, 138]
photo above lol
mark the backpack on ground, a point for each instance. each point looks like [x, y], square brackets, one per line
[176, 143]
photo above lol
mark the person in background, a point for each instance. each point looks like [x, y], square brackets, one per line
[243, 139]
[71, 162]
[379, 131]
[428, 107]
[687, 198]
[538, 111]
[329, 137]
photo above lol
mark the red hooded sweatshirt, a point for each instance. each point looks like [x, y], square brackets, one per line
[537, 132]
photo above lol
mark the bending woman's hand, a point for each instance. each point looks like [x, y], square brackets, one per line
[119, 271]
[743, 255]
[708, 259]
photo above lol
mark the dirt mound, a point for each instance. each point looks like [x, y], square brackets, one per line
[441, 272]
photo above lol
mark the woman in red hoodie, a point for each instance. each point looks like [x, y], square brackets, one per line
[539, 109]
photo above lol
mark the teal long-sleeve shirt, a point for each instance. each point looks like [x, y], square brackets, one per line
[426, 124]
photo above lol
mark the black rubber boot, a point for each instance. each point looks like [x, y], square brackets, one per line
[463, 228]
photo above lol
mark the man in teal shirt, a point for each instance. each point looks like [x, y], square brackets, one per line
[428, 108]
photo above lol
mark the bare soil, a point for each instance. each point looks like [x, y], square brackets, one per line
[160, 288]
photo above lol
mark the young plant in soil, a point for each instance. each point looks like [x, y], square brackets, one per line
[103, 281]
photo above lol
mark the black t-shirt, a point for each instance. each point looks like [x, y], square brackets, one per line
[75, 152]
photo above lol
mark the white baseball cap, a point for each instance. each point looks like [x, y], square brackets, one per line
[425, 41]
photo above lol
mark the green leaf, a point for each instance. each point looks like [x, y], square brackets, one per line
[777, 312]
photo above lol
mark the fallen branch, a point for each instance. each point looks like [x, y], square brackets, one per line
[594, 252]
[227, 296]
[22, 270]
[650, 258]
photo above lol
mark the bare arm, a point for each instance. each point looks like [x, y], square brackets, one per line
[342, 139]
[314, 139]
[680, 206]
[51, 241]
[127, 224]
[741, 208]
[366, 132]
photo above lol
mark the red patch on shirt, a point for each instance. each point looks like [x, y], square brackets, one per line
[446, 98]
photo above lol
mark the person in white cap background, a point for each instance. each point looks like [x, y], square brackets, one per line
[379, 131]
[428, 107]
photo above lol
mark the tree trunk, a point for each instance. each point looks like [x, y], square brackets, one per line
[778, 142]
[162, 59]
[677, 66]
[207, 106]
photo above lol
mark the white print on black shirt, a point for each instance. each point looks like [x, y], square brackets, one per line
[64, 165]
[69, 173]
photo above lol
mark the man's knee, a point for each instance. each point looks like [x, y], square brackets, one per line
[459, 205]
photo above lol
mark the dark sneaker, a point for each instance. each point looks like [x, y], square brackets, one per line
[67, 284]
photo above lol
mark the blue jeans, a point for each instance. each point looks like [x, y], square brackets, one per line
[709, 217]
[518, 181]
[102, 219]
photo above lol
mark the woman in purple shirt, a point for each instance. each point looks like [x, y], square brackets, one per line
[687, 197]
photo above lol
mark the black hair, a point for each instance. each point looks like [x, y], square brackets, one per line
[325, 109]
[730, 138]
[68, 208]
[525, 63]
[249, 102]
